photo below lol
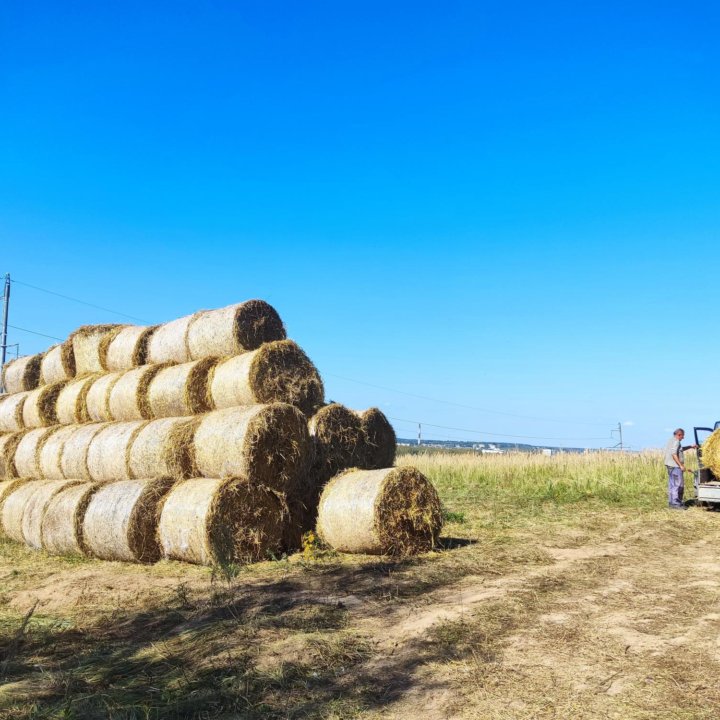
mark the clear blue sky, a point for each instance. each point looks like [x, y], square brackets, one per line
[510, 206]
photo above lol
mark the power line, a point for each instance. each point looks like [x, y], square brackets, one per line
[34, 332]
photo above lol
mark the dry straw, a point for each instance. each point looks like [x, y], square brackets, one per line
[169, 342]
[71, 405]
[710, 453]
[27, 453]
[50, 453]
[6, 487]
[58, 364]
[11, 411]
[121, 520]
[267, 444]
[40, 406]
[62, 524]
[338, 437]
[380, 442]
[13, 508]
[181, 389]
[89, 346]
[36, 507]
[97, 399]
[395, 511]
[210, 521]
[128, 395]
[233, 329]
[164, 448]
[127, 348]
[108, 456]
[277, 372]
[21, 374]
[73, 459]
[8, 446]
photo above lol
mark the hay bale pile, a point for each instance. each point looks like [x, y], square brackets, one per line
[206, 440]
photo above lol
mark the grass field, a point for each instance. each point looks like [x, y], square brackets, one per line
[563, 588]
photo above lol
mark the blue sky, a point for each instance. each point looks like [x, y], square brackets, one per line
[509, 207]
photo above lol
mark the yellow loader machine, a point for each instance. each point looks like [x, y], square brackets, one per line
[707, 486]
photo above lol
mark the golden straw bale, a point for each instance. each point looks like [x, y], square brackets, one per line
[127, 348]
[27, 453]
[169, 342]
[11, 411]
[63, 521]
[73, 461]
[97, 399]
[181, 389]
[394, 511]
[128, 396]
[276, 372]
[108, 457]
[89, 349]
[58, 363]
[21, 374]
[40, 406]
[121, 520]
[710, 453]
[8, 446]
[209, 521]
[233, 329]
[13, 507]
[51, 451]
[71, 405]
[267, 444]
[6, 487]
[380, 443]
[339, 439]
[164, 448]
[35, 508]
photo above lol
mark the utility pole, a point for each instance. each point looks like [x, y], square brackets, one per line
[419, 434]
[6, 309]
[621, 439]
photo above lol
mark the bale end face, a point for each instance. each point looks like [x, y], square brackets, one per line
[256, 323]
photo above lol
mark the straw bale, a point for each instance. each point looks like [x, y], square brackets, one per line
[267, 444]
[164, 448]
[27, 453]
[380, 442]
[40, 406]
[394, 511]
[11, 411]
[21, 374]
[127, 348]
[58, 363]
[51, 451]
[302, 508]
[63, 521]
[181, 389]
[35, 508]
[233, 329]
[13, 507]
[89, 348]
[710, 453]
[108, 457]
[339, 439]
[8, 446]
[128, 396]
[97, 399]
[121, 520]
[277, 372]
[71, 405]
[169, 342]
[74, 458]
[209, 521]
[6, 487]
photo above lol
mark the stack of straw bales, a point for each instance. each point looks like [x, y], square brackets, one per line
[206, 439]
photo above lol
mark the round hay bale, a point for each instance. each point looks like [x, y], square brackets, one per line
[277, 372]
[128, 396]
[27, 453]
[380, 441]
[267, 444]
[127, 348]
[339, 439]
[13, 507]
[35, 508]
[51, 451]
[71, 405]
[21, 374]
[394, 511]
[108, 456]
[40, 406]
[97, 399]
[11, 411]
[181, 389]
[58, 363]
[233, 329]
[89, 348]
[169, 342]
[8, 446]
[6, 487]
[164, 448]
[73, 461]
[121, 520]
[210, 521]
[710, 453]
[62, 524]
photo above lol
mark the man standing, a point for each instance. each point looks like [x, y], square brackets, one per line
[675, 464]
